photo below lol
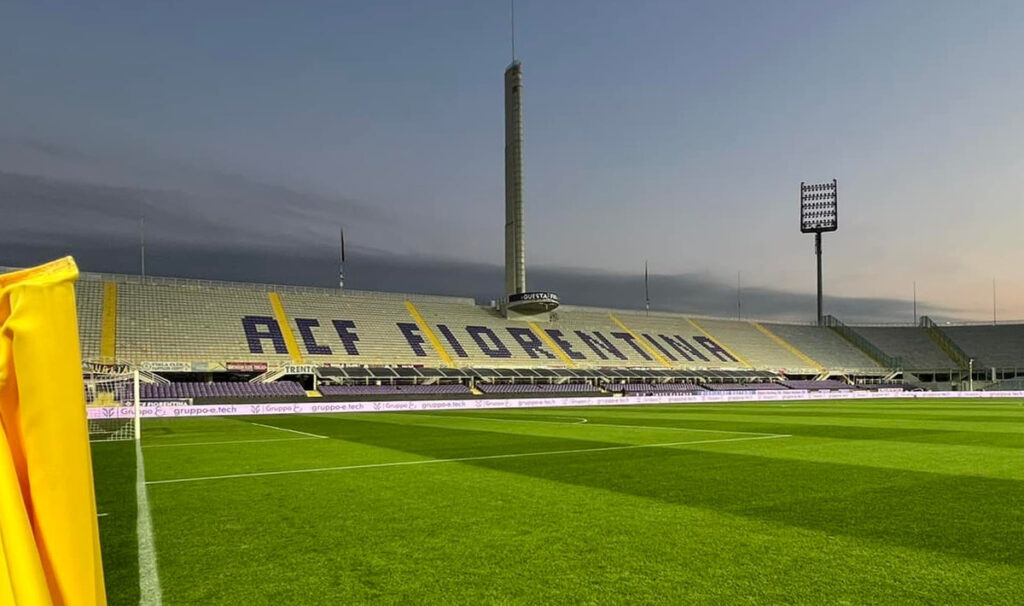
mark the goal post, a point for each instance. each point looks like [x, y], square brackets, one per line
[112, 406]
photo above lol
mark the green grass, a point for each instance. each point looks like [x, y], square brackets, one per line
[806, 503]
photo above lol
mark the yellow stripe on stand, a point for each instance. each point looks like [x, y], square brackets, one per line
[286, 329]
[788, 346]
[425, 328]
[642, 342]
[108, 330]
[552, 345]
[719, 343]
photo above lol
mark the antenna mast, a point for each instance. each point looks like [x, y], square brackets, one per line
[341, 265]
[142, 244]
[513, 5]
[647, 292]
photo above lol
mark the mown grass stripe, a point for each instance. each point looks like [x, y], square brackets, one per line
[514, 455]
[218, 442]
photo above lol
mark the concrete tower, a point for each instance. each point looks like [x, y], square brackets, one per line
[515, 248]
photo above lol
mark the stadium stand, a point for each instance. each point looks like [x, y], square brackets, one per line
[89, 302]
[192, 329]
[655, 339]
[825, 347]
[174, 325]
[526, 388]
[320, 320]
[228, 389]
[827, 384]
[373, 390]
[745, 386]
[759, 349]
[659, 388]
[179, 322]
[991, 346]
[910, 343]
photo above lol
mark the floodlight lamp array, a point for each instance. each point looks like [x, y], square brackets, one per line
[819, 208]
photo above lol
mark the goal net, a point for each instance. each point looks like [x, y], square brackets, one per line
[112, 406]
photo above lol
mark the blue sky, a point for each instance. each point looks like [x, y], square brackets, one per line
[671, 131]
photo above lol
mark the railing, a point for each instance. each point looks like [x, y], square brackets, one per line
[947, 345]
[858, 341]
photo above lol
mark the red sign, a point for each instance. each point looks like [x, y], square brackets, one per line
[246, 366]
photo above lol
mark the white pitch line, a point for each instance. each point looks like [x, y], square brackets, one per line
[100, 515]
[303, 433]
[580, 421]
[589, 424]
[234, 442]
[150, 593]
[464, 459]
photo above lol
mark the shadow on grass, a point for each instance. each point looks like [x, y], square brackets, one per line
[966, 516]
[841, 432]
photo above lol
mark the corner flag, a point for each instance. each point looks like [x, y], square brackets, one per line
[49, 536]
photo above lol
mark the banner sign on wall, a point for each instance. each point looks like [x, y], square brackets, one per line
[246, 366]
[168, 410]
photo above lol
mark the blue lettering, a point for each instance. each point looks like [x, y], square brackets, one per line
[559, 339]
[597, 342]
[681, 351]
[306, 326]
[631, 341]
[494, 349]
[530, 342]
[412, 335]
[715, 349]
[348, 338]
[659, 347]
[459, 350]
[684, 349]
[255, 335]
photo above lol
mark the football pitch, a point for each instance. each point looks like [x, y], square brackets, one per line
[849, 502]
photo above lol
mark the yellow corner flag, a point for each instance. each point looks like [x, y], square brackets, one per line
[49, 536]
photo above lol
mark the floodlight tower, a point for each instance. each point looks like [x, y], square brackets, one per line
[819, 213]
[515, 246]
[518, 301]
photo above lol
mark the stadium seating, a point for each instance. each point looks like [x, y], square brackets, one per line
[373, 390]
[640, 339]
[531, 388]
[89, 302]
[757, 348]
[191, 326]
[745, 386]
[828, 384]
[178, 322]
[224, 389]
[910, 343]
[824, 346]
[991, 346]
[659, 388]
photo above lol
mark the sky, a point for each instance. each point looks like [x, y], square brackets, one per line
[675, 133]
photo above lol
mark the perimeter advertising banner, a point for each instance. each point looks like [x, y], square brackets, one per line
[180, 409]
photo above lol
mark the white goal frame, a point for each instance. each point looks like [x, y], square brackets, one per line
[113, 406]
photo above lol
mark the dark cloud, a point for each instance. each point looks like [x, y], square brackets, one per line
[219, 226]
[370, 270]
